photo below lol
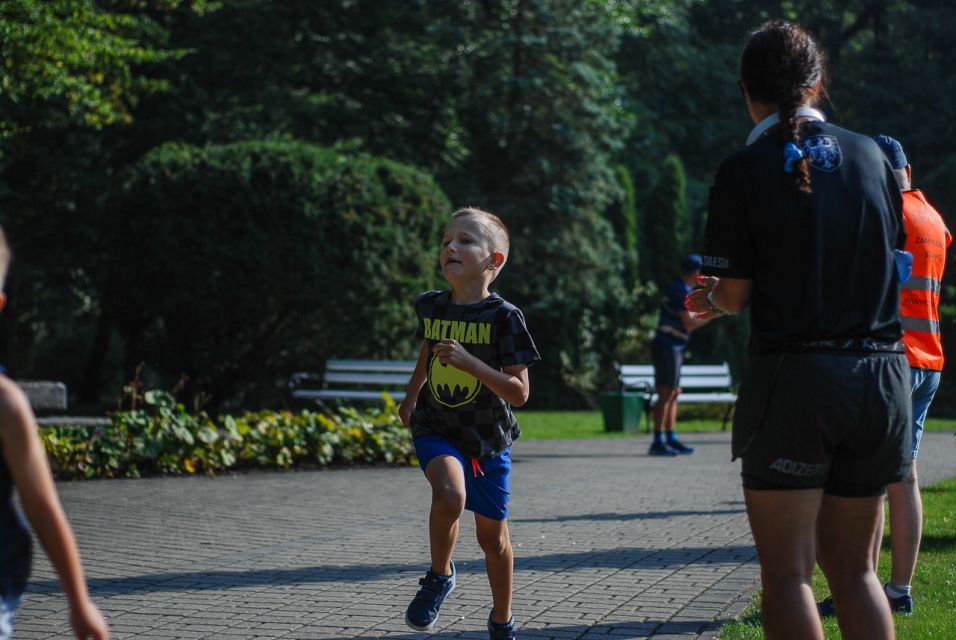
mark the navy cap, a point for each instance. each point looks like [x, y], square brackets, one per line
[893, 151]
[690, 263]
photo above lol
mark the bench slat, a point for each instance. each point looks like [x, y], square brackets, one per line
[317, 394]
[691, 369]
[391, 366]
[690, 382]
[398, 379]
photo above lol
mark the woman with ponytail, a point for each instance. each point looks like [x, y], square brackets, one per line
[802, 227]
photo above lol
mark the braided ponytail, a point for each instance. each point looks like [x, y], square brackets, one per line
[790, 133]
[781, 64]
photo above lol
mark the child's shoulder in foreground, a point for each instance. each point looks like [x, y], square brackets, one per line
[14, 406]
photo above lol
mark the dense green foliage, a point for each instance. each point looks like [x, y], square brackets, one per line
[303, 252]
[524, 107]
[665, 234]
[158, 436]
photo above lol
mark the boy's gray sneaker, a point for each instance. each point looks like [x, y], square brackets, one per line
[506, 631]
[422, 613]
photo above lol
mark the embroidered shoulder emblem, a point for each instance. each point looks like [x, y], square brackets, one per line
[824, 152]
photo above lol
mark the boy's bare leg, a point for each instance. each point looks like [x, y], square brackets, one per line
[662, 408]
[447, 479]
[672, 415]
[495, 541]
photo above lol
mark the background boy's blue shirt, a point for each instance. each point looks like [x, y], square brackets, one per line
[454, 404]
[671, 305]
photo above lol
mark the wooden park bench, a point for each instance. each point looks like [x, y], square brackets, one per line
[48, 399]
[700, 383]
[354, 380]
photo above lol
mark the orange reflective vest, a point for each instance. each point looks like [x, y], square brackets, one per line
[927, 238]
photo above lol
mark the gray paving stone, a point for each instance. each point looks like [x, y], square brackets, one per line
[609, 543]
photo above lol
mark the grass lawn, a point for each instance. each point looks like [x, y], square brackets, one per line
[563, 425]
[934, 586]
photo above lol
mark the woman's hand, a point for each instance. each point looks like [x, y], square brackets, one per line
[697, 302]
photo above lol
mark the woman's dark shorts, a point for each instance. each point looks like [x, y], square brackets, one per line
[667, 361]
[836, 421]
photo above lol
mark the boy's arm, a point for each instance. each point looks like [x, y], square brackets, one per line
[511, 385]
[414, 385]
[30, 470]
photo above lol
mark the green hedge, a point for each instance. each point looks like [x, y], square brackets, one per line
[161, 437]
[235, 265]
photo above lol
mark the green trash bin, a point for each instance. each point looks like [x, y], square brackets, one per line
[622, 411]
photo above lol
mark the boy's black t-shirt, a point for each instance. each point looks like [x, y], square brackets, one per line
[454, 404]
[822, 264]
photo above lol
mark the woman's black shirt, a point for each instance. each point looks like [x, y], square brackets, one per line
[822, 263]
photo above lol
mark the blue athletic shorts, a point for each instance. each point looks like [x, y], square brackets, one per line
[8, 606]
[487, 481]
[925, 383]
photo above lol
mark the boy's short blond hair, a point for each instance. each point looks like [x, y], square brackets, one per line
[4, 258]
[492, 227]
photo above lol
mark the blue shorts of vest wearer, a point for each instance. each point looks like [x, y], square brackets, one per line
[925, 383]
[667, 361]
[8, 606]
[488, 491]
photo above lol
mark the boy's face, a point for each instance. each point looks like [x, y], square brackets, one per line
[466, 252]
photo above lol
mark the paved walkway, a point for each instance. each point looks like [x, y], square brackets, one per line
[608, 543]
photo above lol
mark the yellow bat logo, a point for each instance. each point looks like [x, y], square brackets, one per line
[451, 387]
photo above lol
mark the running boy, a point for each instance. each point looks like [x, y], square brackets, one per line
[23, 464]
[473, 366]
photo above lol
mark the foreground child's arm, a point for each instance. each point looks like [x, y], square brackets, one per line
[414, 385]
[30, 470]
[511, 384]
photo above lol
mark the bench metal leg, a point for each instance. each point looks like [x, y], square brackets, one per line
[723, 426]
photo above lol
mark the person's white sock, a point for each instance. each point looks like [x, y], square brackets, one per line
[897, 591]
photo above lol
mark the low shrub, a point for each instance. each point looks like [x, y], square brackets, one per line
[161, 437]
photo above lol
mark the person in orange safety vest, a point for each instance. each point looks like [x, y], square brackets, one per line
[927, 239]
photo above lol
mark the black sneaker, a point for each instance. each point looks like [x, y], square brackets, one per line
[506, 631]
[826, 608]
[661, 449]
[680, 447]
[422, 613]
[903, 604]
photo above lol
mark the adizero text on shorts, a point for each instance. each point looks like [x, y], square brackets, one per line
[838, 421]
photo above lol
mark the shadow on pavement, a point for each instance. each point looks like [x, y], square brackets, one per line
[620, 558]
[645, 515]
[620, 631]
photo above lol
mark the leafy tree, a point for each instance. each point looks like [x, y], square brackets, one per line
[70, 62]
[665, 233]
[622, 215]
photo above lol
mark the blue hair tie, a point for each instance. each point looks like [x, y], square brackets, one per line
[791, 153]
